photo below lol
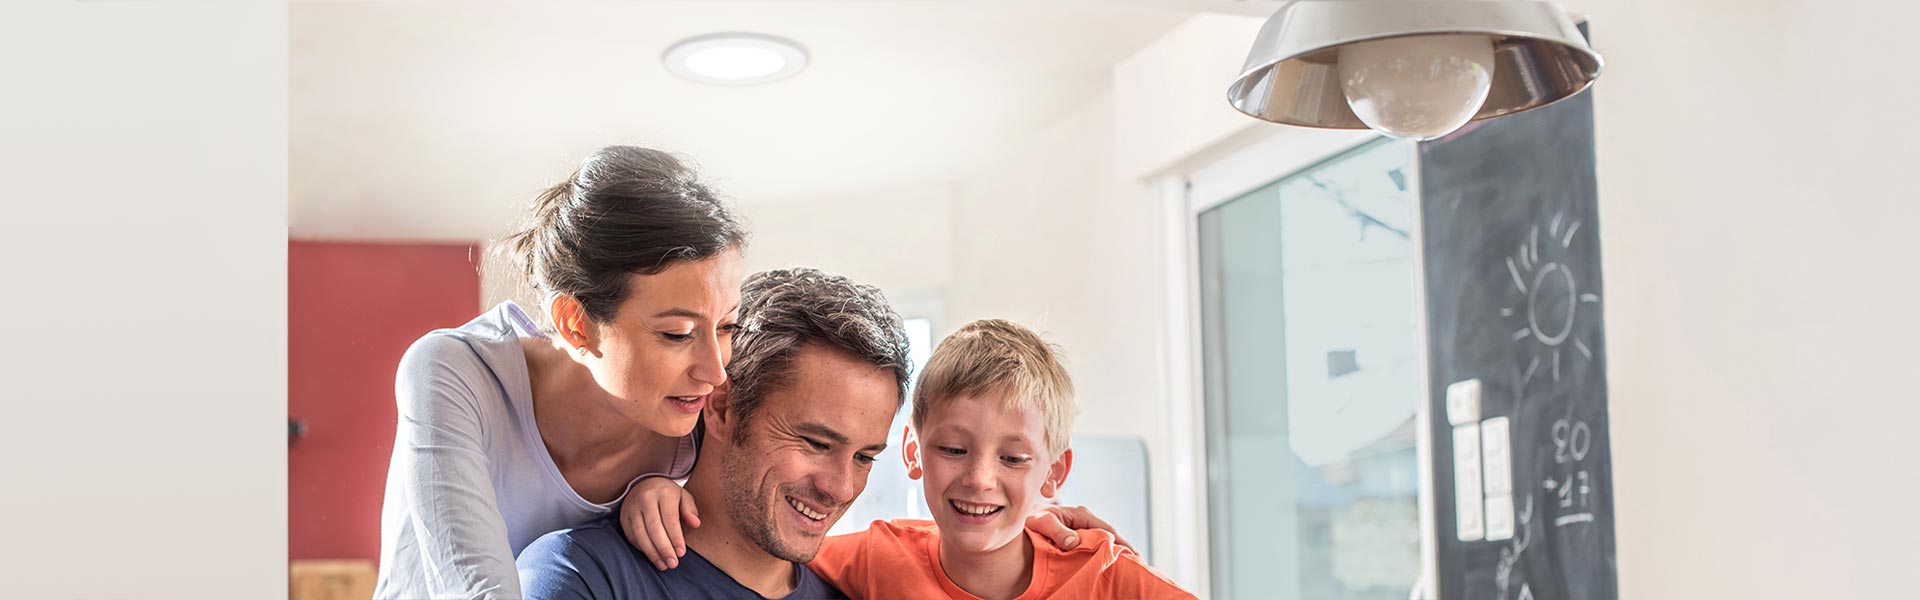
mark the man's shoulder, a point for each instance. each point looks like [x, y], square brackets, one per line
[590, 561]
[598, 535]
[594, 562]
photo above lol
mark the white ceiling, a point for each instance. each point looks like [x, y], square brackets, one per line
[434, 121]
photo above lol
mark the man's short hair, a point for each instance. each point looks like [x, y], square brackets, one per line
[784, 310]
[999, 358]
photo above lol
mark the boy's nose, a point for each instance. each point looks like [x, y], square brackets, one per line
[978, 476]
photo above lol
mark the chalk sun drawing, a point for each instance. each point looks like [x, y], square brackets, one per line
[1552, 298]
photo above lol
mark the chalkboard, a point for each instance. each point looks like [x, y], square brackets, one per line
[1514, 297]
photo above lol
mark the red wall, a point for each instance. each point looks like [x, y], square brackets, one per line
[352, 310]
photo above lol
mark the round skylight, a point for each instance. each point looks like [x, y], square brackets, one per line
[735, 58]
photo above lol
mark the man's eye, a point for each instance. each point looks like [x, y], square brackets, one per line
[863, 459]
[817, 444]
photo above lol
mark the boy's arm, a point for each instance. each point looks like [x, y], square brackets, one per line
[652, 516]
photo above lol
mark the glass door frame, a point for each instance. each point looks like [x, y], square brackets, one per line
[1277, 153]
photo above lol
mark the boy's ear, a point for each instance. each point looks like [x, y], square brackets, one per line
[1057, 475]
[910, 452]
[571, 322]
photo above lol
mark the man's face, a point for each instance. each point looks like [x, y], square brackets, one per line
[806, 453]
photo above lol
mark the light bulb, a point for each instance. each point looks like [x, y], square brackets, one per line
[1417, 87]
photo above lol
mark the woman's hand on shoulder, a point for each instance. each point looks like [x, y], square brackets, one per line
[651, 516]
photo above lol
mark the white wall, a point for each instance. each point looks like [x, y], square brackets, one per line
[895, 240]
[143, 148]
[1170, 99]
[1757, 199]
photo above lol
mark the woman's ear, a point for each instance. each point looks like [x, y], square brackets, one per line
[1057, 475]
[571, 322]
[910, 452]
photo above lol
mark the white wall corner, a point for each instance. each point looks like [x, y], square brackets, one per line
[1170, 99]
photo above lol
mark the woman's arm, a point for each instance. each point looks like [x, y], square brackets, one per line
[442, 467]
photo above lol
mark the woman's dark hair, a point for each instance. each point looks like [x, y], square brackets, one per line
[627, 210]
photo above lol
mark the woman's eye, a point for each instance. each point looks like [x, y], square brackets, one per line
[730, 329]
[677, 337]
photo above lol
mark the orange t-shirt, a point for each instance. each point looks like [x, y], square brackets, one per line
[901, 559]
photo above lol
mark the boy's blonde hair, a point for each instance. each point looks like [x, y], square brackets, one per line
[995, 357]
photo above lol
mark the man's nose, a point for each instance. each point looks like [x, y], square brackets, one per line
[843, 483]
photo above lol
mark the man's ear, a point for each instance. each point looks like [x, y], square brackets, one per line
[571, 322]
[910, 451]
[719, 407]
[1057, 475]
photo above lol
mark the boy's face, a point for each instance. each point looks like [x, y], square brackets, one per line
[985, 468]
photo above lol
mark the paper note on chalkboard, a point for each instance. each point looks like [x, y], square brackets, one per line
[1466, 484]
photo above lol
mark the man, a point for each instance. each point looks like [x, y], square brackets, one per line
[818, 372]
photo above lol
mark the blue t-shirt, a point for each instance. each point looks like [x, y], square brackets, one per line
[595, 562]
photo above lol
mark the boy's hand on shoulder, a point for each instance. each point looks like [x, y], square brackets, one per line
[651, 517]
[1058, 522]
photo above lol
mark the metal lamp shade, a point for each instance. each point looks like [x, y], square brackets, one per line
[1292, 76]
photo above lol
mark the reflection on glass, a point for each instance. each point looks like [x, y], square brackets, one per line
[1307, 313]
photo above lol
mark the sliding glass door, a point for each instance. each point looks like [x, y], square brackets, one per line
[1311, 379]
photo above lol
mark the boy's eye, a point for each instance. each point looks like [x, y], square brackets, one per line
[950, 450]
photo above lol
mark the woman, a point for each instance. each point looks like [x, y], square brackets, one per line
[507, 432]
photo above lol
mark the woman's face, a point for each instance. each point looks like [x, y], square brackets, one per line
[668, 344]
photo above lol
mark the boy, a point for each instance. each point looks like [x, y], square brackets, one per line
[992, 417]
